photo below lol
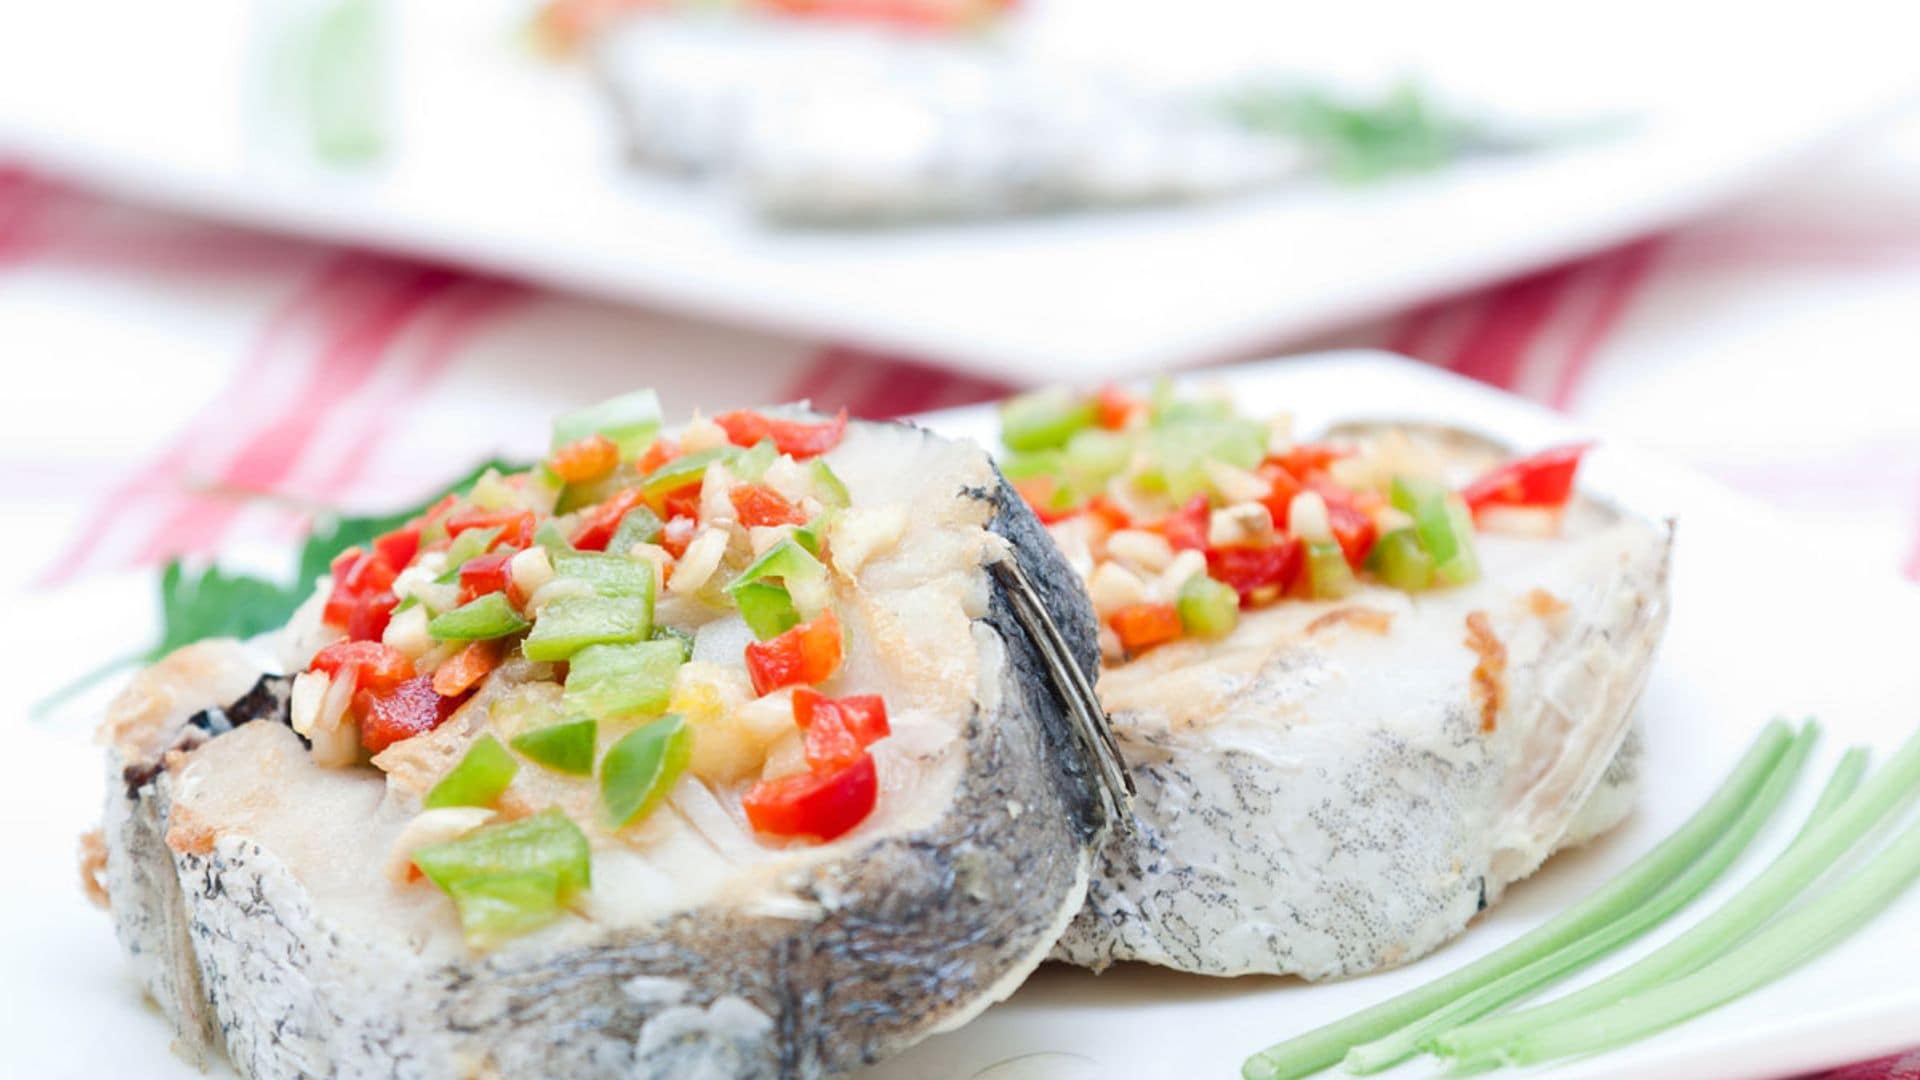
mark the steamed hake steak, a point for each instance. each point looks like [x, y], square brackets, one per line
[735, 753]
[1362, 684]
[831, 122]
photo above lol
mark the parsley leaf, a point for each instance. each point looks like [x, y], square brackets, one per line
[212, 602]
[1360, 141]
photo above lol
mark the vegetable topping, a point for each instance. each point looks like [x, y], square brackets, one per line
[1181, 512]
[561, 604]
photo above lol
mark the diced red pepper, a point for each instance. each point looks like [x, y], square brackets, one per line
[585, 459]
[442, 508]
[677, 534]
[1282, 486]
[820, 804]
[375, 667]
[1117, 408]
[797, 438]
[485, 574]
[1249, 570]
[838, 730]
[807, 654]
[1109, 512]
[462, 671]
[516, 526]
[1142, 626]
[602, 520]
[1186, 528]
[683, 501]
[399, 546]
[1544, 479]
[409, 709]
[757, 504]
[1305, 459]
[361, 600]
[658, 453]
[1352, 527]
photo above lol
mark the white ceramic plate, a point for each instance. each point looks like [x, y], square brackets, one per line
[509, 165]
[1764, 622]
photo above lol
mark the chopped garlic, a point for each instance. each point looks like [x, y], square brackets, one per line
[416, 583]
[530, 569]
[1241, 523]
[788, 757]
[1307, 517]
[1166, 588]
[1280, 434]
[696, 567]
[554, 590]
[857, 535]
[1140, 549]
[430, 827]
[727, 744]
[1074, 537]
[335, 737]
[660, 557]
[788, 479]
[1387, 517]
[702, 434]
[304, 700]
[407, 632]
[716, 505]
[1533, 522]
[1235, 485]
[1112, 587]
[763, 537]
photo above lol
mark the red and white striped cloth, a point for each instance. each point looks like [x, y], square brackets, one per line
[156, 367]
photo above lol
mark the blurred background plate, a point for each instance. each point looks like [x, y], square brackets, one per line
[501, 160]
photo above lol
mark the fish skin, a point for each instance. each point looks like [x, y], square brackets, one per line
[918, 931]
[1284, 843]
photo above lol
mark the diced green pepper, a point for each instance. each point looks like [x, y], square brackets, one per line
[1443, 524]
[808, 535]
[1208, 608]
[488, 616]
[609, 575]
[1180, 452]
[767, 607]
[606, 681]
[1051, 463]
[1044, 419]
[752, 465]
[1165, 407]
[827, 486]
[1400, 562]
[568, 624]
[470, 545]
[500, 907]
[546, 842]
[639, 526]
[803, 575]
[492, 492]
[684, 470]
[677, 636]
[1095, 455]
[630, 420]
[566, 748]
[1328, 575]
[479, 778]
[639, 769]
[550, 536]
